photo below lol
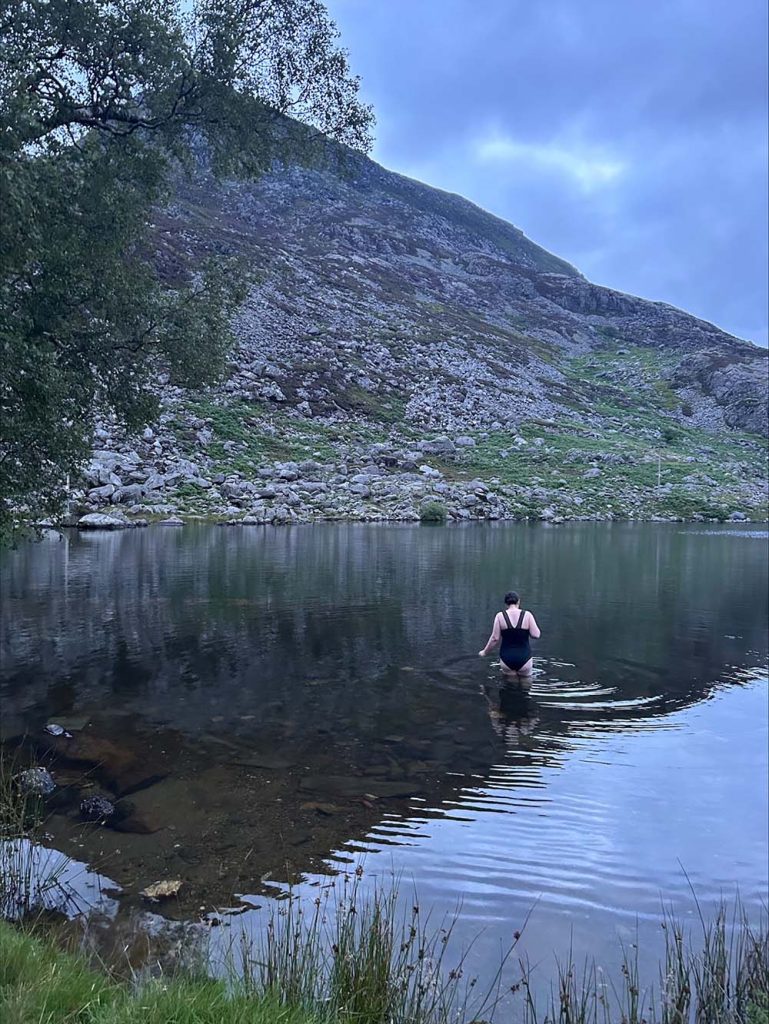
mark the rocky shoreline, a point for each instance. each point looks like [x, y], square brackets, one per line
[384, 484]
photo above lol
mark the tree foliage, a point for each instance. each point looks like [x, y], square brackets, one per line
[102, 104]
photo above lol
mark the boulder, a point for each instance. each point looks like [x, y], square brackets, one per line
[96, 808]
[438, 446]
[102, 521]
[128, 495]
[119, 769]
[103, 493]
[35, 782]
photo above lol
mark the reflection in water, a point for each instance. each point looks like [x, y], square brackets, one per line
[513, 712]
[303, 694]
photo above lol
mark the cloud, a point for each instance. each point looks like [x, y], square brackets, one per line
[628, 138]
[590, 170]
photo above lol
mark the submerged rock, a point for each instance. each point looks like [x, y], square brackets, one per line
[119, 769]
[36, 782]
[162, 890]
[57, 730]
[96, 808]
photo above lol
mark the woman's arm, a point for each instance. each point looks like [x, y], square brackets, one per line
[493, 639]
[533, 627]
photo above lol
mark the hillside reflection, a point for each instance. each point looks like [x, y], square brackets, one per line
[264, 672]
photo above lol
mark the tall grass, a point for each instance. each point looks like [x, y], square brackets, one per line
[349, 961]
[30, 874]
[721, 979]
[361, 960]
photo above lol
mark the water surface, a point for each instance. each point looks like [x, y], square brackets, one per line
[306, 698]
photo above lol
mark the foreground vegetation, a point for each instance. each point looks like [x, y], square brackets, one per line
[375, 973]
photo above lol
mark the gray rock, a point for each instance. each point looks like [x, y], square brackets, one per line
[56, 730]
[464, 442]
[591, 474]
[103, 493]
[96, 808]
[35, 782]
[128, 495]
[438, 446]
[101, 521]
[738, 517]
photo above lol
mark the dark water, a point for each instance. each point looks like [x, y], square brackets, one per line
[259, 673]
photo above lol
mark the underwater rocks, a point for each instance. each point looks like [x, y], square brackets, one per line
[35, 782]
[96, 808]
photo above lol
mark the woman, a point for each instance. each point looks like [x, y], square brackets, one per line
[514, 628]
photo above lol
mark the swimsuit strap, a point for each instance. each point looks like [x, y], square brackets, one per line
[507, 620]
[520, 620]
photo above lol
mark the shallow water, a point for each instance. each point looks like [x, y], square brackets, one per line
[310, 698]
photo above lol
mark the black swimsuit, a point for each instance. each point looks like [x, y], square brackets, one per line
[515, 650]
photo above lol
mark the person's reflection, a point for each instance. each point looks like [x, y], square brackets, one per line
[511, 709]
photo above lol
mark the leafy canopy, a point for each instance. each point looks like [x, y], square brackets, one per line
[102, 105]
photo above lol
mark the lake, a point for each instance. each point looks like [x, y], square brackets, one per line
[283, 704]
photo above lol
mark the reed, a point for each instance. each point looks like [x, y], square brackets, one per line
[720, 977]
[30, 874]
[356, 956]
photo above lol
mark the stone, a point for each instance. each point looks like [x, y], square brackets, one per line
[35, 782]
[96, 808]
[119, 769]
[171, 521]
[438, 446]
[53, 729]
[464, 442]
[352, 787]
[738, 517]
[103, 493]
[326, 809]
[591, 474]
[128, 495]
[101, 521]
[162, 890]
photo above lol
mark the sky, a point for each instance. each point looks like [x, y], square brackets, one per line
[626, 136]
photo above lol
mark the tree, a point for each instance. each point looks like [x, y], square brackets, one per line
[103, 103]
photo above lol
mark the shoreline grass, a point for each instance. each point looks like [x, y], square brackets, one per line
[366, 965]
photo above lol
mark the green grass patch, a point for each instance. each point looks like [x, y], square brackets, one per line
[432, 512]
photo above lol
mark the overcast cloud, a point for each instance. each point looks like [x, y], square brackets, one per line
[628, 137]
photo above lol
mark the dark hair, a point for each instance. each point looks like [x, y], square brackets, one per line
[511, 597]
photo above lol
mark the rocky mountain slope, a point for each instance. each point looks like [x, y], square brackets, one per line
[404, 353]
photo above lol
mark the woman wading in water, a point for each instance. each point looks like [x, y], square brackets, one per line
[514, 628]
